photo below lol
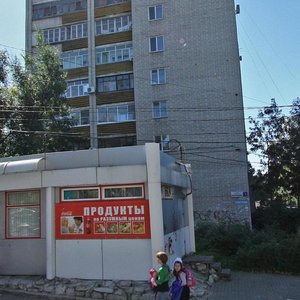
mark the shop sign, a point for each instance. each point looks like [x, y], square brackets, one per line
[123, 219]
[237, 194]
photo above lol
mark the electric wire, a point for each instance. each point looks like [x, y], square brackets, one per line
[262, 62]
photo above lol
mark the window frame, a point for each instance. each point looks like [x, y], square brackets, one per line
[65, 33]
[115, 53]
[160, 80]
[119, 116]
[74, 59]
[159, 109]
[158, 39]
[80, 84]
[79, 117]
[111, 25]
[155, 11]
[7, 207]
[114, 81]
[63, 189]
[164, 141]
[122, 186]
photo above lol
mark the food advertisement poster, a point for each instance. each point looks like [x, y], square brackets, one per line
[123, 219]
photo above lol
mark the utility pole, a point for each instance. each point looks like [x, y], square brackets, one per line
[92, 75]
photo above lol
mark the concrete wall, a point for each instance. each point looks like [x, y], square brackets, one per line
[22, 256]
[103, 259]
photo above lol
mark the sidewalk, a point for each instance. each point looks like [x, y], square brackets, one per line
[256, 286]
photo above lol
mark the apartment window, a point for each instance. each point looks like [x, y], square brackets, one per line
[112, 25]
[114, 53]
[77, 88]
[71, 32]
[116, 113]
[155, 12]
[156, 43]
[115, 83]
[101, 3]
[74, 59]
[82, 117]
[23, 214]
[164, 141]
[159, 109]
[158, 76]
[57, 8]
[117, 141]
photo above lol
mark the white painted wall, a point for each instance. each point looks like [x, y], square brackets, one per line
[123, 259]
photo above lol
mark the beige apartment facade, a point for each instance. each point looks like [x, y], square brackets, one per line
[162, 71]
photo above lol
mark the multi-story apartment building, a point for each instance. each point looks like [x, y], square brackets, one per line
[157, 70]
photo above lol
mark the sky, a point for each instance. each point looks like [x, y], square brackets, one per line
[269, 43]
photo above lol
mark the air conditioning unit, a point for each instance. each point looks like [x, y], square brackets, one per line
[91, 90]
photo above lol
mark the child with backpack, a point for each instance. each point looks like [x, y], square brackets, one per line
[163, 276]
[180, 289]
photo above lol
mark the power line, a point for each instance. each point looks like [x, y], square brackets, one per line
[168, 83]
[262, 62]
[272, 48]
[177, 109]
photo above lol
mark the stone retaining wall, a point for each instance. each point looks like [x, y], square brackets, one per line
[206, 272]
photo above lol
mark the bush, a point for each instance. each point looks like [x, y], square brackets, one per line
[287, 219]
[223, 239]
[268, 250]
[270, 256]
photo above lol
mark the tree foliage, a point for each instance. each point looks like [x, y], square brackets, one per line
[276, 138]
[34, 115]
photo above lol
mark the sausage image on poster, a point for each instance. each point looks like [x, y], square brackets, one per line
[71, 225]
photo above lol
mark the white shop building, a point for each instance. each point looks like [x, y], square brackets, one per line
[93, 214]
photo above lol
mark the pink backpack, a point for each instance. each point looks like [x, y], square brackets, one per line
[190, 278]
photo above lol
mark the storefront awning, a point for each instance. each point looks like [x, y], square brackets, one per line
[28, 165]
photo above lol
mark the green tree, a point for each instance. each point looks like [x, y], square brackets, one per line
[35, 116]
[266, 136]
[277, 138]
[291, 154]
[3, 67]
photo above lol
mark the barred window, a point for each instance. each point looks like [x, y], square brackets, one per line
[23, 214]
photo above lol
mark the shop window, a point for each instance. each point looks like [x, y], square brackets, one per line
[23, 214]
[123, 192]
[80, 194]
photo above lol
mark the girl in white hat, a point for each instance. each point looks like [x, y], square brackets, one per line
[179, 288]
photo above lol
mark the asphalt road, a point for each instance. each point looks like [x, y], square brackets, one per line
[257, 286]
